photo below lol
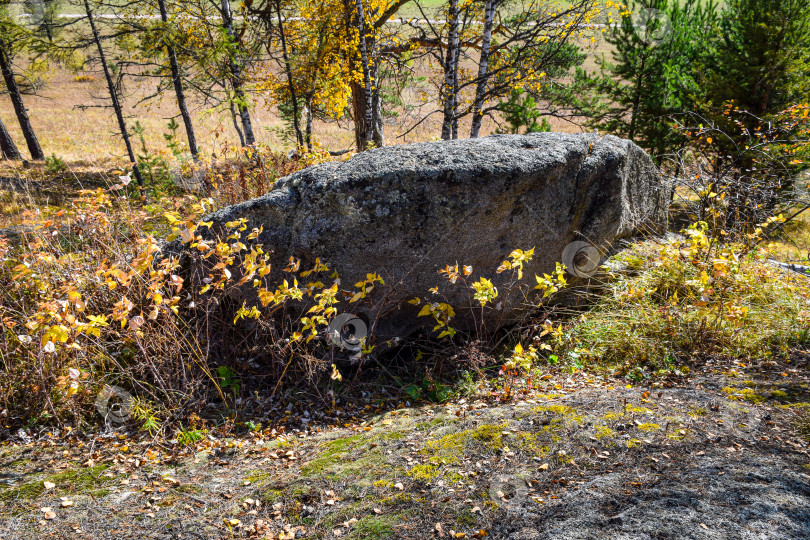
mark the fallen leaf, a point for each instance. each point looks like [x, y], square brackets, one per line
[136, 322]
[49, 485]
[543, 467]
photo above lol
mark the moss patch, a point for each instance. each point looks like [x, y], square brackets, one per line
[602, 432]
[272, 496]
[78, 480]
[559, 410]
[333, 452]
[697, 412]
[373, 527]
[358, 457]
[452, 448]
[748, 394]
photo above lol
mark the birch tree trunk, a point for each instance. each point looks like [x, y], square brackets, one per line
[119, 115]
[455, 93]
[237, 81]
[308, 119]
[377, 134]
[450, 84]
[483, 68]
[19, 107]
[299, 136]
[368, 91]
[363, 131]
[178, 87]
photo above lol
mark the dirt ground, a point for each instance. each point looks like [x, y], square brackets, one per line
[721, 453]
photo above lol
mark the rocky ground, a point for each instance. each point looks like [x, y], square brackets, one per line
[720, 454]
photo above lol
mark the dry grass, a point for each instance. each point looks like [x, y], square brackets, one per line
[659, 315]
[32, 188]
[792, 244]
[88, 136]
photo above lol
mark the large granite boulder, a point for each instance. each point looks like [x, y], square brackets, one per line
[405, 212]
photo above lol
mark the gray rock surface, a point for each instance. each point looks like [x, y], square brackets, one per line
[407, 211]
[759, 497]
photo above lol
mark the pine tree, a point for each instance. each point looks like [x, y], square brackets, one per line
[651, 77]
[115, 100]
[14, 38]
[8, 150]
[177, 82]
[763, 60]
[760, 70]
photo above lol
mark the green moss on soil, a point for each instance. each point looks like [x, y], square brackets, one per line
[257, 477]
[374, 527]
[78, 480]
[748, 394]
[453, 447]
[603, 432]
[333, 452]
